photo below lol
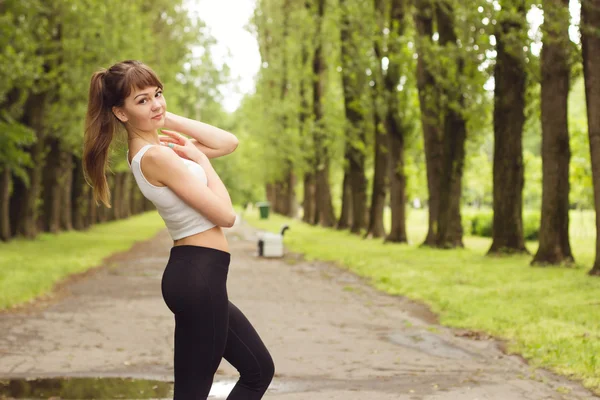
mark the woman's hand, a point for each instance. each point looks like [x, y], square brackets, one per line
[182, 146]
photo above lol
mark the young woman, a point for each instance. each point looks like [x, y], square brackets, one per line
[175, 173]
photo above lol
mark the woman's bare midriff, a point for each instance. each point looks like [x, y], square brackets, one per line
[213, 237]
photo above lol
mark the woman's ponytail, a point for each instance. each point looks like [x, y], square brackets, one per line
[100, 128]
[108, 89]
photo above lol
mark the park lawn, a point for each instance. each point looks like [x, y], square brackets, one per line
[551, 315]
[30, 268]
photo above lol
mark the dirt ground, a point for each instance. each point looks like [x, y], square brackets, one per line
[331, 335]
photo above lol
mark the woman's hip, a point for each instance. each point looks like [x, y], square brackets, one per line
[195, 277]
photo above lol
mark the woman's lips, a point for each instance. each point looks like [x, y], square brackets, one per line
[159, 116]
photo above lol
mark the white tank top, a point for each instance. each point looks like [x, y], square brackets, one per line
[181, 219]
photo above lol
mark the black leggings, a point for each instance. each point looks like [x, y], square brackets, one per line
[208, 327]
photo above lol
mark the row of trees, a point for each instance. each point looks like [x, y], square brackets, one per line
[48, 52]
[371, 90]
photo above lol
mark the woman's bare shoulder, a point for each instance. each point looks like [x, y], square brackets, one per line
[162, 156]
[161, 164]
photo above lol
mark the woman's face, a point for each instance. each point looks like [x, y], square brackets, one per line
[144, 109]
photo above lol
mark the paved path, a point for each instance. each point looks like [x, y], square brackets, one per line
[331, 335]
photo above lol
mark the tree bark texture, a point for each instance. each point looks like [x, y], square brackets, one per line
[395, 127]
[345, 219]
[590, 40]
[375, 226]
[554, 246]
[324, 207]
[51, 195]
[308, 203]
[454, 136]
[5, 181]
[509, 118]
[430, 121]
[24, 206]
[353, 85]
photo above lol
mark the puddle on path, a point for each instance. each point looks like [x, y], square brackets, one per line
[108, 388]
[84, 388]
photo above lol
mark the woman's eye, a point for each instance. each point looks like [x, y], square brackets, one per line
[159, 93]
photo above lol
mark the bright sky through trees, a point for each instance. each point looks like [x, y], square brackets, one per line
[227, 20]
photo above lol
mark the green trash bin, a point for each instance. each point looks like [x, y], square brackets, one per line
[264, 207]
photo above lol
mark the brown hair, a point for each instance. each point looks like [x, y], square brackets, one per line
[109, 88]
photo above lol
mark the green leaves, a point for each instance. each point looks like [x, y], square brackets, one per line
[14, 137]
[54, 47]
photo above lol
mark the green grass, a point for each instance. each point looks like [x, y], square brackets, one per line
[30, 268]
[551, 316]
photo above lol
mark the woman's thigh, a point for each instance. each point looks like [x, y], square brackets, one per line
[246, 351]
[194, 288]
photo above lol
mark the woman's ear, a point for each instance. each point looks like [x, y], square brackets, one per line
[120, 114]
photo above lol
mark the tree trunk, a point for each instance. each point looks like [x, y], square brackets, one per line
[271, 195]
[358, 183]
[92, 212]
[353, 85]
[102, 214]
[395, 128]
[397, 182]
[144, 203]
[117, 191]
[454, 137]
[308, 203]
[79, 198]
[375, 227]
[324, 207]
[286, 185]
[148, 206]
[345, 220]
[134, 195]
[66, 218]
[126, 202]
[324, 211]
[280, 198]
[51, 195]
[16, 205]
[28, 210]
[554, 247]
[25, 204]
[292, 206]
[429, 106]
[304, 114]
[509, 118]
[5, 180]
[590, 40]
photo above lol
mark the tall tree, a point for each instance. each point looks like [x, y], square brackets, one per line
[449, 224]
[554, 247]
[430, 118]
[590, 41]
[24, 208]
[509, 118]
[354, 86]
[308, 201]
[380, 175]
[394, 125]
[283, 185]
[324, 208]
